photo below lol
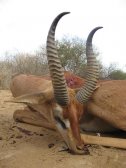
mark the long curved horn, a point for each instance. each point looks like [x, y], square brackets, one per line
[92, 71]
[56, 70]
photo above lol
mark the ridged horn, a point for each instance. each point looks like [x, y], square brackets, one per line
[86, 91]
[56, 70]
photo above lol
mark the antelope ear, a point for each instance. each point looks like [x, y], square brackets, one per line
[35, 98]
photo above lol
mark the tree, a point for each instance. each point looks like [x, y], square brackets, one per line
[117, 75]
[112, 72]
[105, 71]
[72, 53]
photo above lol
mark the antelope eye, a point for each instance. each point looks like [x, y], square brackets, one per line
[60, 122]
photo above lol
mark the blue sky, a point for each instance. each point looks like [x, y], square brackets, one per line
[24, 25]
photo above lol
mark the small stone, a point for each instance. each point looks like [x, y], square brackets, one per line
[50, 145]
[12, 136]
[1, 138]
[13, 142]
[19, 136]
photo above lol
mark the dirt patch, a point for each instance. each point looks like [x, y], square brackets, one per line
[26, 146]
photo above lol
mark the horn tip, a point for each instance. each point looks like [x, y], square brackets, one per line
[99, 27]
[65, 13]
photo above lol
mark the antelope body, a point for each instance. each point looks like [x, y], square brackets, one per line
[54, 105]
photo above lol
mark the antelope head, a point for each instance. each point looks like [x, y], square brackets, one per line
[65, 105]
[70, 104]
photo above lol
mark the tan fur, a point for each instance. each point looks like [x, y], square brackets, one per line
[105, 111]
[25, 84]
[109, 103]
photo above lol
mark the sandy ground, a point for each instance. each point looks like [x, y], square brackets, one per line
[26, 146]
